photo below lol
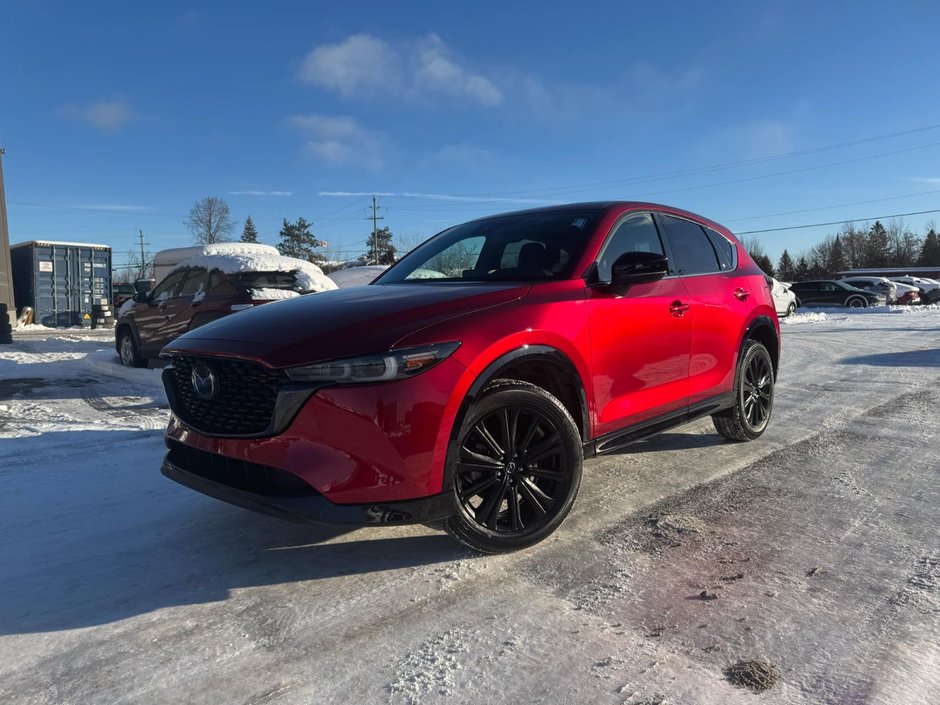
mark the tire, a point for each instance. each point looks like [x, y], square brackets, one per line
[749, 416]
[856, 302]
[127, 350]
[509, 496]
[791, 309]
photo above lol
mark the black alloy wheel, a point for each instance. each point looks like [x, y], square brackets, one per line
[516, 468]
[856, 302]
[749, 415]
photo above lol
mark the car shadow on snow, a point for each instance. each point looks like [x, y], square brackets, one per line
[671, 441]
[91, 541]
[909, 358]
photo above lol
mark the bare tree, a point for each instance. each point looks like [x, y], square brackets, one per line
[210, 220]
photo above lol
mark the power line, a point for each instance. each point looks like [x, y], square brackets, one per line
[826, 208]
[835, 222]
[710, 168]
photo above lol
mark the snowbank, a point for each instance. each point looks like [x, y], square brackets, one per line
[798, 318]
[357, 276]
[309, 277]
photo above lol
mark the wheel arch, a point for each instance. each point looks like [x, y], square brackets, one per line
[763, 330]
[128, 324]
[534, 364]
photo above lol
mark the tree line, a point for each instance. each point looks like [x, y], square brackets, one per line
[210, 221]
[853, 247]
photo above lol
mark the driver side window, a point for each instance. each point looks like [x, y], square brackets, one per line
[168, 287]
[636, 233]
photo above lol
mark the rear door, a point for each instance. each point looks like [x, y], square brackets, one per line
[639, 339]
[705, 260]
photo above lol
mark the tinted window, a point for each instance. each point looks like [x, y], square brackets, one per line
[637, 233]
[168, 287]
[195, 282]
[530, 246]
[725, 249]
[691, 249]
[805, 286]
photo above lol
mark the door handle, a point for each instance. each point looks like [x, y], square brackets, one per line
[741, 294]
[678, 309]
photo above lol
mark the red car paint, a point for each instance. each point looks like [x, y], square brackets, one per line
[636, 357]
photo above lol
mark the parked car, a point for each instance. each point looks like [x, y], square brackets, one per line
[202, 289]
[784, 299]
[907, 294]
[121, 293]
[834, 293]
[468, 400]
[929, 288]
[877, 285]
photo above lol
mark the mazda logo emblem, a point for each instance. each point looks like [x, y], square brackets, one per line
[205, 383]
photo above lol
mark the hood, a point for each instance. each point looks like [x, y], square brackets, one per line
[340, 323]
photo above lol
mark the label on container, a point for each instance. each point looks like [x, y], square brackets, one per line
[45, 265]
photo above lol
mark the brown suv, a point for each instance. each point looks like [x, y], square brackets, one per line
[191, 296]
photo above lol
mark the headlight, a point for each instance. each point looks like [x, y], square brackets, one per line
[384, 367]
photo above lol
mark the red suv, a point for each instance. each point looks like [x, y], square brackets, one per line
[464, 386]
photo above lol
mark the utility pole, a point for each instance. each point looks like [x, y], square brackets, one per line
[6, 269]
[143, 261]
[375, 218]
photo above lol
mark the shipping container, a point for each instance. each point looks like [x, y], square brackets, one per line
[61, 281]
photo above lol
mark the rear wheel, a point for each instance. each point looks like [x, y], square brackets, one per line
[127, 347]
[747, 419]
[516, 466]
[791, 309]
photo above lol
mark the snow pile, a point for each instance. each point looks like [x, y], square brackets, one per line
[427, 274]
[309, 277]
[357, 276]
[798, 318]
[269, 294]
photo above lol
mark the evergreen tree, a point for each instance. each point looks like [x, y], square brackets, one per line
[930, 251]
[876, 246]
[380, 249]
[836, 258]
[763, 261]
[297, 241]
[785, 268]
[249, 234]
[802, 269]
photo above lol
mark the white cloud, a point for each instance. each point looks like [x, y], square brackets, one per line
[103, 114]
[421, 70]
[340, 139]
[261, 193]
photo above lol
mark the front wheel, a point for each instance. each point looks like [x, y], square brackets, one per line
[516, 468]
[749, 415]
[127, 347]
[856, 302]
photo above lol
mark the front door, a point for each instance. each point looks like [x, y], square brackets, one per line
[640, 340]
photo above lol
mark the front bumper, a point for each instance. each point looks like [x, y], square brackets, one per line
[291, 501]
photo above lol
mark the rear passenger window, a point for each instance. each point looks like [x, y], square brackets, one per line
[724, 248]
[637, 233]
[691, 249]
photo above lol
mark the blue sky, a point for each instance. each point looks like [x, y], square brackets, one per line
[118, 116]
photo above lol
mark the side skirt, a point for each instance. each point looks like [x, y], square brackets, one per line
[611, 442]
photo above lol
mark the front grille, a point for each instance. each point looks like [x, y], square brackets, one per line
[243, 405]
[238, 474]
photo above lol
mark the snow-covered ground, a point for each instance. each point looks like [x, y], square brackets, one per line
[814, 549]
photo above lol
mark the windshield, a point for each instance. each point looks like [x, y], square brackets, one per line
[523, 247]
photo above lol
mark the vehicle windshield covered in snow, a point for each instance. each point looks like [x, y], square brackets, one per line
[524, 247]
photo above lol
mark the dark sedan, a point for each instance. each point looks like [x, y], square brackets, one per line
[834, 293]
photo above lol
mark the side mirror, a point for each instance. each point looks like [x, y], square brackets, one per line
[638, 268]
[141, 297]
